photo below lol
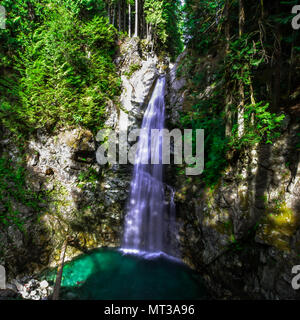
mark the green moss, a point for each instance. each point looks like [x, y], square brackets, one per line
[244, 200]
[279, 225]
[58, 192]
[132, 69]
[224, 227]
[88, 176]
[82, 139]
[232, 238]
[58, 199]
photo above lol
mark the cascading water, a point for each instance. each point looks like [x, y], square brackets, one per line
[145, 226]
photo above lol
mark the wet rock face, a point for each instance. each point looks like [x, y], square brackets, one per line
[62, 155]
[139, 71]
[176, 94]
[243, 234]
[79, 199]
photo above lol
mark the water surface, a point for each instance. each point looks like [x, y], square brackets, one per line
[105, 274]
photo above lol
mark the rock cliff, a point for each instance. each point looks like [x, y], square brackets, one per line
[243, 234]
[79, 198]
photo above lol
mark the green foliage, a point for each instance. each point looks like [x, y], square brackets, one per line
[89, 176]
[13, 191]
[164, 16]
[132, 69]
[22, 17]
[63, 73]
[85, 8]
[202, 17]
[261, 126]
[205, 116]
[233, 66]
[245, 55]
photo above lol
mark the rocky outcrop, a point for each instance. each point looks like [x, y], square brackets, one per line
[176, 93]
[246, 230]
[79, 198]
[244, 234]
[139, 70]
[26, 288]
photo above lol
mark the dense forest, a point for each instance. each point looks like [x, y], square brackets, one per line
[60, 69]
[57, 57]
[258, 70]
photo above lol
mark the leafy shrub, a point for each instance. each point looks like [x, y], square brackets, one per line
[261, 126]
[12, 191]
[64, 74]
[132, 69]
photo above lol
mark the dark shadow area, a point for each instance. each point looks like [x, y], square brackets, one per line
[84, 156]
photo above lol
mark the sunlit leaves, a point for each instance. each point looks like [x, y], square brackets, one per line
[65, 71]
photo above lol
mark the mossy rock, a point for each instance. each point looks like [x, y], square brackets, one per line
[78, 139]
[278, 226]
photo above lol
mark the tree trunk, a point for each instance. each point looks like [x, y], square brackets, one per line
[241, 17]
[147, 30]
[142, 21]
[119, 18]
[291, 69]
[150, 32]
[114, 15]
[136, 33]
[109, 15]
[124, 16]
[129, 20]
[228, 97]
[277, 65]
[227, 26]
[241, 107]
[60, 271]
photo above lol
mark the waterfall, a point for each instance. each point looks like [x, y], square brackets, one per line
[145, 226]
